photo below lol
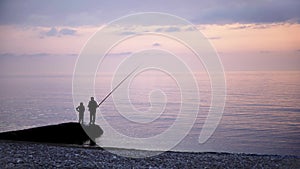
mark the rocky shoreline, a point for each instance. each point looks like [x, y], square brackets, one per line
[40, 155]
[61, 146]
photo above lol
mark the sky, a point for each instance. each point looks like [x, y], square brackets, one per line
[45, 37]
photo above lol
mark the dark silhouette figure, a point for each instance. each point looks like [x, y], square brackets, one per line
[81, 110]
[92, 108]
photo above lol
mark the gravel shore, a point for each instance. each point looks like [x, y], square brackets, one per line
[35, 155]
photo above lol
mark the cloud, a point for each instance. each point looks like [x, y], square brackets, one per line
[67, 31]
[256, 11]
[241, 27]
[256, 26]
[190, 28]
[168, 29]
[261, 26]
[52, 32]
[159, 30]
[59, 13]
[172, 29]
[120, 54]
[214, 38]
[156, 44]
[128, 33]
[58, 32]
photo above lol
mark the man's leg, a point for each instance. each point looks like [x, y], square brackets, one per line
[79, 121]
[81, 118]
[94, 115]
[91, 117]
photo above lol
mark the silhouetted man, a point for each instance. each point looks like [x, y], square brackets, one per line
[92, 108]
[80, 110]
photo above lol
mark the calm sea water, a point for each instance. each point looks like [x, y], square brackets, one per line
[262, 111]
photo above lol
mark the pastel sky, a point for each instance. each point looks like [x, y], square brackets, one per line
[45, 37]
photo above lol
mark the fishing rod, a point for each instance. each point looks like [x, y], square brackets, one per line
[117, 86]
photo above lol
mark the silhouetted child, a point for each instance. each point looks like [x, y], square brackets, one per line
[81, 110]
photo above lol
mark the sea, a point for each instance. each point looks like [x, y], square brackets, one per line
[261, 113]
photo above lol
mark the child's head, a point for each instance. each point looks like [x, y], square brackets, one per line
[81, 104]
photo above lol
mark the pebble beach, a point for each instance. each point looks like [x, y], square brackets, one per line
[36, 155]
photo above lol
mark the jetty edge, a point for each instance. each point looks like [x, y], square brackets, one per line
[64, 133]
